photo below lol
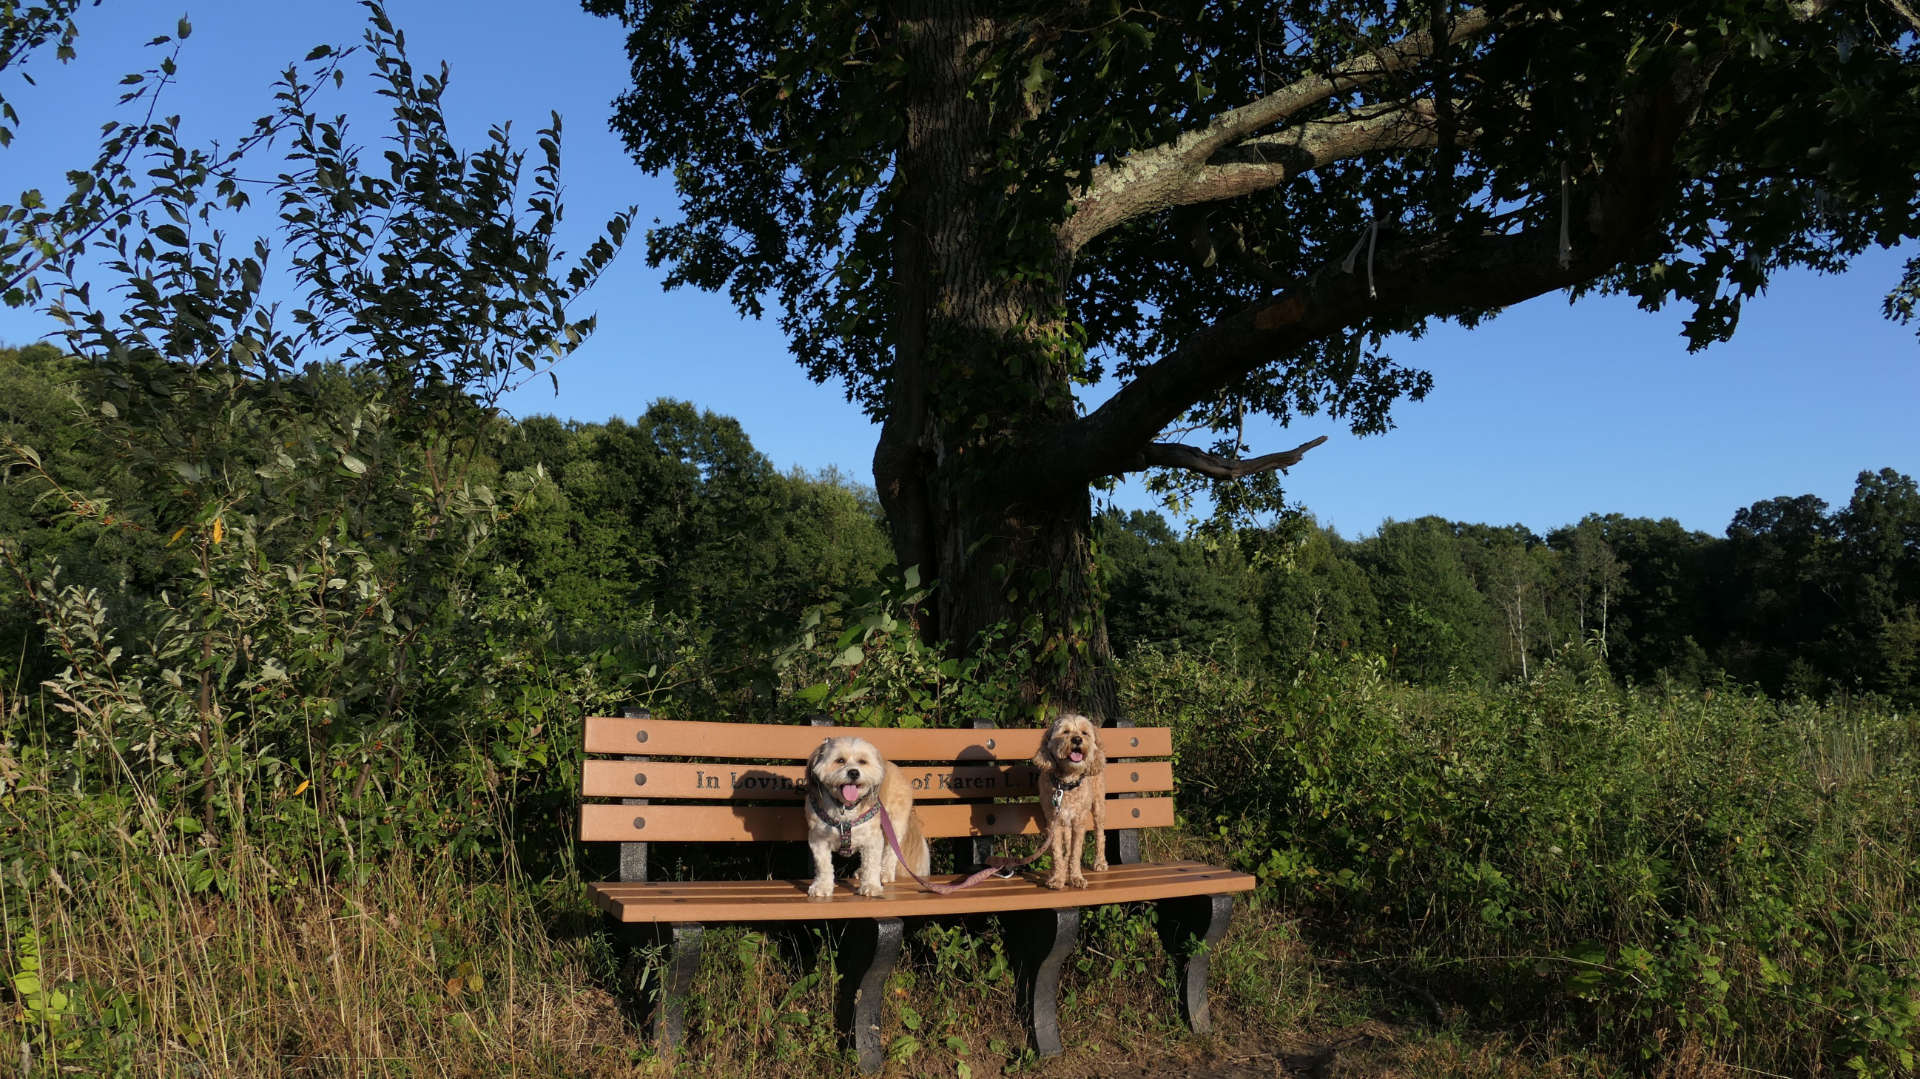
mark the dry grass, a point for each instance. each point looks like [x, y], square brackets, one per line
[420, 969]
[412, 971]
[417, 970]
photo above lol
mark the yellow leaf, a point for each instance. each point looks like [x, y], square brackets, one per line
[302, 788]
[219, 529]
[177, 533]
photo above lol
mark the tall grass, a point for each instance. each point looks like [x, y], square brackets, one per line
[413, 967]
[1557, 878]
[416, 965]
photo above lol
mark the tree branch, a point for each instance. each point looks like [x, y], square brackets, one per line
[1258, 164]
[1809, 10]
[1138, 182]
[1618, 216]
[1193, 459]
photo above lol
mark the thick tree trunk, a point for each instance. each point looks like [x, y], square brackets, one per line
[978, 381]
[1003, 558]
[1030, 568]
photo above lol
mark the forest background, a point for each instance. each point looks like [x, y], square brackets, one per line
[676, 516]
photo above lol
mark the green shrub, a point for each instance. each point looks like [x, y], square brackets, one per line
[861, 661]
[1716, 866]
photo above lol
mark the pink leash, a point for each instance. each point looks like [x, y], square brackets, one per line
[1002, 865]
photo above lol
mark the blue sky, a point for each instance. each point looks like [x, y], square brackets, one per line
[1546, 414]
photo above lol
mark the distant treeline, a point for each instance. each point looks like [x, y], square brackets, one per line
[677, 516]
[1796, 598]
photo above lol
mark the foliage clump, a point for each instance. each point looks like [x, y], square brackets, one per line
[1645, 865]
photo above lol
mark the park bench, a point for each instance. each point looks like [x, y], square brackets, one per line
[679, 781]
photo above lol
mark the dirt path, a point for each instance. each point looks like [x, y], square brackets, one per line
[1368, 1050]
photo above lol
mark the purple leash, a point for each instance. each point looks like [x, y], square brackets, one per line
[1002, 865]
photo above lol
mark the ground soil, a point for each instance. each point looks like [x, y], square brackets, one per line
[1369, 1049]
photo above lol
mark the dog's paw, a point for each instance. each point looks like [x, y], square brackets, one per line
[1100, 865]
[1056, 883]
[872, 889]
[820, 889]
[1078, 880]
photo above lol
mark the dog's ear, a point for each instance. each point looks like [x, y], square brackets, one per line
[1043, 759]
[819, 756]
[1096, 760]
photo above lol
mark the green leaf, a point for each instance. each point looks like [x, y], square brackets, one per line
[1036, 76]
[903, 1048]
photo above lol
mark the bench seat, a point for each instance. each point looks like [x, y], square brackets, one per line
[786, 900]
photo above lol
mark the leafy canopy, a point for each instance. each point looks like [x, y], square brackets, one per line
[1454, 159]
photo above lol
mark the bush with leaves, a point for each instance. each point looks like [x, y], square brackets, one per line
[322, 646]
[861, 661]
[1660, 865]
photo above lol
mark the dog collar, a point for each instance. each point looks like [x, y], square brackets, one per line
[846, 826]
[1060, 789]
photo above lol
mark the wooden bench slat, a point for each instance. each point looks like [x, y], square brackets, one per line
[776, 741]
[781, 782]
[753, 901]
[778, 887]
[739, 823]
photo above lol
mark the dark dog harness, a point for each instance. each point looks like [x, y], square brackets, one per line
[1060, 789]
[846, 826]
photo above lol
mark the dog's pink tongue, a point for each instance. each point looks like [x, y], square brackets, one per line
[1076, 756]
[849, 794]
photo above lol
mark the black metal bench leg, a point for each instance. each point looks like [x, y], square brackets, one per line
[673, 982]
[1040, 942]
[1189, 928]
[868, 950]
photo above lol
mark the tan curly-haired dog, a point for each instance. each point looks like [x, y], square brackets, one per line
[1073, 797]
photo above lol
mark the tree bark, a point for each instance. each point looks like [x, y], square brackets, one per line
[977, 371]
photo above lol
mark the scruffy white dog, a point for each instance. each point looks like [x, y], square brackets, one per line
[848, 782]
[1073, 797]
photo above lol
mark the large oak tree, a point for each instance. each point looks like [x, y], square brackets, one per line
[967, 212]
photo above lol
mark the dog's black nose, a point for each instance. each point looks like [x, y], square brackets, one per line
[853, 773]
[1076, 739]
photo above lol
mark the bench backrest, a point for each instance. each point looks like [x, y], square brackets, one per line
[737, 782]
